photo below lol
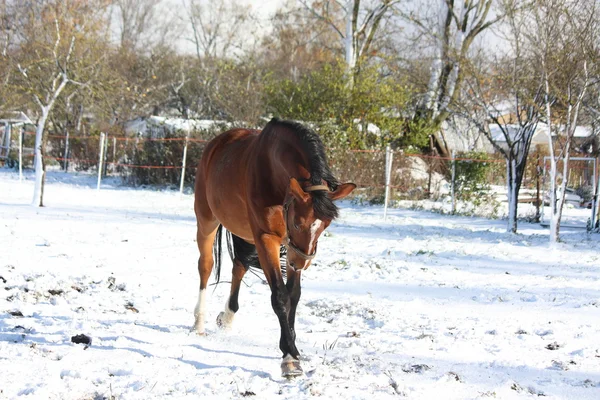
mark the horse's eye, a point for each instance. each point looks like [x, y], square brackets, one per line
[296, 227]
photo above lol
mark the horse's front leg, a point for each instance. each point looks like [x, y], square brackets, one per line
[293, 287]
[268, 252]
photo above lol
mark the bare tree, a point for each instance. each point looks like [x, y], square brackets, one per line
[592, 145]
[357, 25]
[8, 21]
[509, 95]
[144, 24]
[222, 31]
[219, 27]
[299, 42]
[514, 118]
[451, 26]
[563, 35]
[52, 52]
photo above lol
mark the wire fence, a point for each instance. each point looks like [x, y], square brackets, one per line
[172, 160]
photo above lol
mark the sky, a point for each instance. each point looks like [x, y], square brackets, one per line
[265, 9]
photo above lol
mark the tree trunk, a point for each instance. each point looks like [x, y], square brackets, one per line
[557, 216]
[40, 170]
[349, 39]
[515, 171]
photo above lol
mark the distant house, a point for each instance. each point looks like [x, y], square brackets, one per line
[540, 137]
[9, 121]
[462, 135]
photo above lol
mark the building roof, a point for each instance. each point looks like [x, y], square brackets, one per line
[14, 117]
[541, 133]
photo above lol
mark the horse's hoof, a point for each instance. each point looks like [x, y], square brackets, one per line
[225, 319]
[198, 330]
[220, 322]
[290, 367]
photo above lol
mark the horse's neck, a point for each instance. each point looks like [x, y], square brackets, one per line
[278, 162]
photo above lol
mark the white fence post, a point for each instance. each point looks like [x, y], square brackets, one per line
[105, 160]
[100, 160]
[21, 133]
[389, 156]
[595, 199]
[595, 185]
[453, 209]
[185, 147]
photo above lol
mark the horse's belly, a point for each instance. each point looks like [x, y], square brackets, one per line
[232, 214]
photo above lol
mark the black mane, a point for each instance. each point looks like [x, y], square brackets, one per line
[318, 167]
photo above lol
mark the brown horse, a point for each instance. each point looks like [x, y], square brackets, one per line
[268, 189]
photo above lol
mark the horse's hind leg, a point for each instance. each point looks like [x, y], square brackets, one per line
[207, 226]
[205, 266]
[244, 257]
[225, 318]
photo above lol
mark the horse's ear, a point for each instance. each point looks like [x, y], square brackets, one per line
[297, 191]
[342, 191]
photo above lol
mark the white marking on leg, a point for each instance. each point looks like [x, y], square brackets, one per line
[200, 312]
[225, 318]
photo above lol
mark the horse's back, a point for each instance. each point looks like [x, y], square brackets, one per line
[227, 143]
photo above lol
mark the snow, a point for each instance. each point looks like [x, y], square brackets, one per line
[422, 305]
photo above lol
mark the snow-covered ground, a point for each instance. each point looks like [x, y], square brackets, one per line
[422, 305]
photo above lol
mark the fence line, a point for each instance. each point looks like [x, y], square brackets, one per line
[103, 147]
[367, 168]
[381, 174]
[123, 138]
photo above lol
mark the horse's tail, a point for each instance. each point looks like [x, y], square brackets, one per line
[217, 252]
[240, 250]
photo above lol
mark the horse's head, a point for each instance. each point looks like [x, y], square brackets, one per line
[307, 212]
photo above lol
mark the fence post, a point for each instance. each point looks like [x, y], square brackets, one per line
[66, 163]
[21, 153]
[543, 188]
[389, 155]
[105, 160]
[114, 154]
[7, 139]
[596, 188]
[430, 162]
[100, 160]
[453, 207]
[185, 146]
